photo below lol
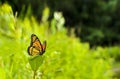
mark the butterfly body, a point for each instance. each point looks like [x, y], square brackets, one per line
[36, 48]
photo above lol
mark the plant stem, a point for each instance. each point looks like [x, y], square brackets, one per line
[34, 74]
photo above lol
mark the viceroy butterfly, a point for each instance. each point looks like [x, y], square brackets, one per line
[36, 48]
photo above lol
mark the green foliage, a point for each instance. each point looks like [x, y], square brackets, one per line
[34, 62]
[87, 17]
[65, 57]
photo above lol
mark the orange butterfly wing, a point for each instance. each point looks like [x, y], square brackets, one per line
[44, 46]
[36, 48]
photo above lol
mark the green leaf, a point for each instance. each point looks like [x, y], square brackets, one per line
[2, 74]
[36, 61]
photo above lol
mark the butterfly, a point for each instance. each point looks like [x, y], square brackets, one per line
[36, 48]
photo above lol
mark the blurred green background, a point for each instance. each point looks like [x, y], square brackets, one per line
[83, 38]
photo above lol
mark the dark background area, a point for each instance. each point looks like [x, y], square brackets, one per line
[95, 21]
